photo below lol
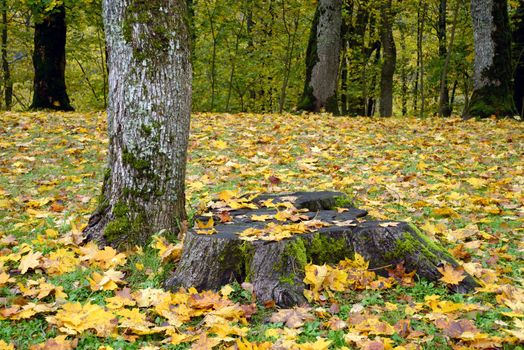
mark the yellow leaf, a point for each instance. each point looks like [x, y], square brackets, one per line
[219, 144]
[74, 318]
[227, 195]
[29, 261]
[476, 182]
[5, 346]
[261, 217]
[450, 275]
[226, 290]
[202, 225]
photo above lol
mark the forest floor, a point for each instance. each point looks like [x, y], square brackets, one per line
[460, 181]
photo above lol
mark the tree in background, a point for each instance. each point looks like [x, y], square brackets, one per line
[493, 90]
[322, 59]
[148, 121]
[518, 37]
[49, 58]
[389, 62]
[8, 82]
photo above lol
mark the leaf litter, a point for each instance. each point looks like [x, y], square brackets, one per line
[460, 181]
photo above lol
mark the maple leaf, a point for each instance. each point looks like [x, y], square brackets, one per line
[201, 225]
[205, 343]
[135, 321]
[451, 275]
[5, 346]
[60, 261]
[244, 344]
[58, 343]
[293, 318]
[29, 261]
[74, 318]
[167, 251]
[457, 328]
[5, 278]
[107, 281]
[261, 217]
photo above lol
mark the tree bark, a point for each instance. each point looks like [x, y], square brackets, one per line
[445, 105]
[49, 61]
[322, 58]
[389, 60]
[444, 109]
[276, 268]
[518, 38]
[420, 55]
[493, 89]
[8, 83]
[148, 121]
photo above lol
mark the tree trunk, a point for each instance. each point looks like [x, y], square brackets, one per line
[322, 58]
[445, 105]
[493, 90]
[444, 110]
[8, 83]
[422, 23]
[148, 121]
[518, 37]
[389, 60]
[276, 268]
[404, 62]
[49, 61]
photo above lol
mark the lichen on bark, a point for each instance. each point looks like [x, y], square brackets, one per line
[322, 58]
[148, 121]
[493, 89]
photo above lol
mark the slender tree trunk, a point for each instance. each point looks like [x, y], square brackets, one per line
[233, 64]
[290, 48]
[444, 110]
[344, 79]
[148, 121]
[49, 60]
[389, 60]
[403, 72]
[322, 58]
[453, 92]
[518, 37]
[422, 23]
[445, 106]
[103, 63]
[8, 83]
[211, 18]
[493, 89]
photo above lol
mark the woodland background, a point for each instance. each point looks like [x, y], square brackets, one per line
[249, 56]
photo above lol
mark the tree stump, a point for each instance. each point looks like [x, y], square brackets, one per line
[276, 268]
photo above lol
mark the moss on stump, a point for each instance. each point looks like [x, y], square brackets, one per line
[276, 268]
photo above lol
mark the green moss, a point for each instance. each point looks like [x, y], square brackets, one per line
[324, 249]
[290, 279]
[126, 223]
[162, 27]
[343, 202]
[238, 258]
[296, 253]
[133, 161]
[147, 129]
[433, 245]
[297, 250]
[416, 241]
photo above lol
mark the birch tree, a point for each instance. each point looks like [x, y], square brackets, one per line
[492, 92]
[322, 58]
[148, 121]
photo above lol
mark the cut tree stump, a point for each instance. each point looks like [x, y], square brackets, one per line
[276, 268]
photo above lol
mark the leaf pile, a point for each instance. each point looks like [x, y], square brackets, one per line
[461, 182]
